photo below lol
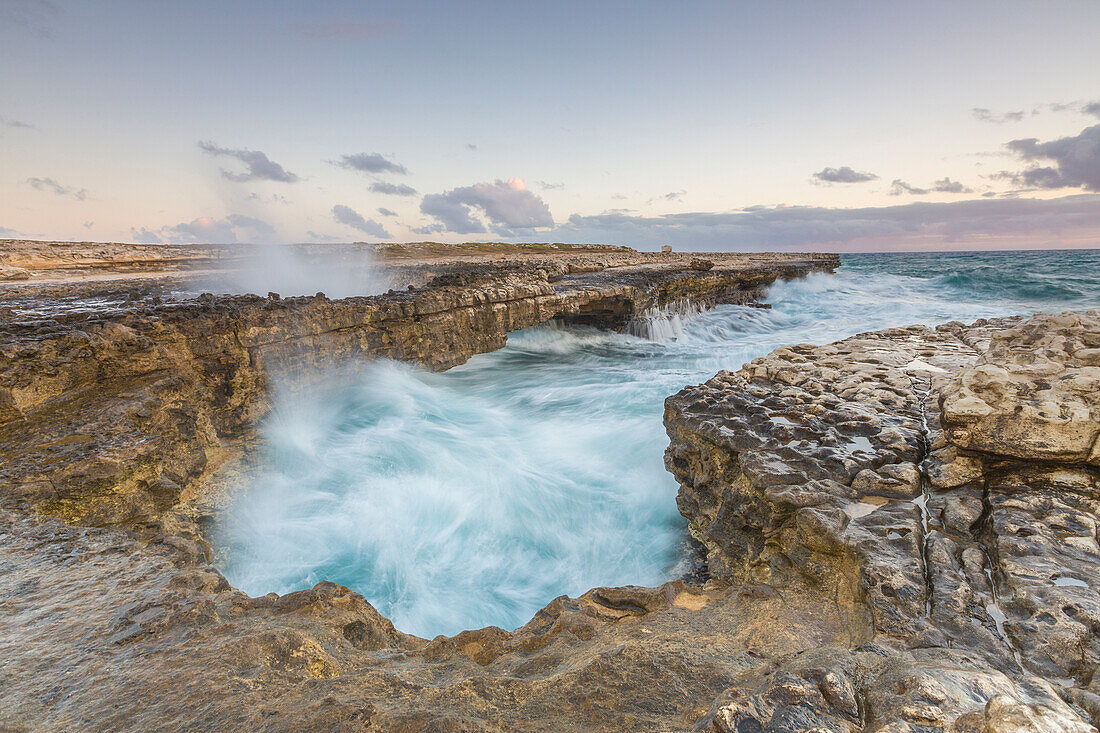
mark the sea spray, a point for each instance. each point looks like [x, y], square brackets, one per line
[289, 270]
[663, 323]
[448, 507]
[476, 496]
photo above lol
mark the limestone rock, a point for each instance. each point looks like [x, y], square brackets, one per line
[967, 538]
[1004, 714]
[873, 563]
[1034, 394]
[13, 273]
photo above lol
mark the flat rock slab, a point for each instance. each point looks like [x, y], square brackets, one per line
[940, 480]
[865, 570]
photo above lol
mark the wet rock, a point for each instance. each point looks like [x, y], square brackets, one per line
[838, 429]
[995, 560]
[961, 512]
[874, 564]
[948, 469]
[781, 701]
[1043, 529]
[896, 481]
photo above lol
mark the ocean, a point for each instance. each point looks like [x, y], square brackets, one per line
[476, 496]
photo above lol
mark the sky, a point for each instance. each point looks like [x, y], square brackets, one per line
[843, 126]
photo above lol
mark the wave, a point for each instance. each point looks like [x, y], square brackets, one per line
[664, 323]
[555, 339]
[1028, 281]
[475, 496]
[990, 280]
[452, 508]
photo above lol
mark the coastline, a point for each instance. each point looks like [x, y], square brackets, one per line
[806, 609]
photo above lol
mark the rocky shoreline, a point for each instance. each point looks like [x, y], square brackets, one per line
[940, 486]
[113, 404]
[899, 528]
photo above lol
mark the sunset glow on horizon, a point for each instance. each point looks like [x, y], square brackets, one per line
[708, 125]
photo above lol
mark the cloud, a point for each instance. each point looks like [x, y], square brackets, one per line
[373, 163]
[88, 224]
[1076, 161]
[321, 237]
[999, 118]
[9, 232]
[946, 185]
[670, 196]
[1058, 107]
[9, 122]
[508, 205]
[258, 226]
[998, 222]
[545, 186]
[386, 212]
[471, 146]
[208, 230]
[52, 186]
[350, 217]
[392, 189]
[453, 215]
[144, 236]
[1085, 108]
[260, 167]
[899, 187]
[843, 174]
[943, 185]
[204, 229]
[274, 198]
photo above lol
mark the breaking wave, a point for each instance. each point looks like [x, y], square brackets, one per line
[474, 497]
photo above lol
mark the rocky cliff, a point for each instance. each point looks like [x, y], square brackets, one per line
[890, 543]
[940, 486]
[108, 412]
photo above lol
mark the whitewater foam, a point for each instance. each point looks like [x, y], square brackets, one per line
[664, 323]
[476, 496]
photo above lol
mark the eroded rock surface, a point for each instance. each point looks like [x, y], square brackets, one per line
[866, 570]
[113, 401]
[939, 485]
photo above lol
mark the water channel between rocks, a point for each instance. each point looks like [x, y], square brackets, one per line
[475, 496]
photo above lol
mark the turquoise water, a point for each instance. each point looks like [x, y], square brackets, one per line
[474, 497]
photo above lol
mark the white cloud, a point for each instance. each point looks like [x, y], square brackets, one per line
[352, 218]
[508, 206]
[260, 167]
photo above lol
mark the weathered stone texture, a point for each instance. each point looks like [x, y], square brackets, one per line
[828, 466]
[106, 415]
[1034, 394]
[883, 553]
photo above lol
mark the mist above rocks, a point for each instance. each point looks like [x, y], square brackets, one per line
[291, 270]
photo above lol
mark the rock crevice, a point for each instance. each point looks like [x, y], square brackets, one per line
[891, 545]
[107, 415]
[962, 519]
